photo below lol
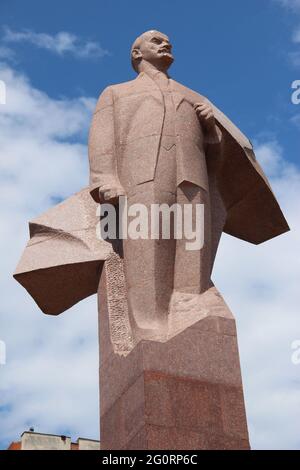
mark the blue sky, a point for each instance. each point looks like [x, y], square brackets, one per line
[236, 53]
[55, 58]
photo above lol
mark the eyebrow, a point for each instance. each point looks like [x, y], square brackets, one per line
[160, 38]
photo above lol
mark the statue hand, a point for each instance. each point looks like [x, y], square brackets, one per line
[206, 116]
[111, 191]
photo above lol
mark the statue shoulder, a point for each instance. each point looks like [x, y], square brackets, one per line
[123, 88]
[110, 93]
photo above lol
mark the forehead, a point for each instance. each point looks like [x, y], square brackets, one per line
[156, 35]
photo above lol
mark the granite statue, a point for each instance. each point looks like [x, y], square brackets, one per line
[169, 365]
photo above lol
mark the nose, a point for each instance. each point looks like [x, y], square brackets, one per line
[167, 45]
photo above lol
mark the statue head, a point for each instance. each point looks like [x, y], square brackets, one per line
[154, 48]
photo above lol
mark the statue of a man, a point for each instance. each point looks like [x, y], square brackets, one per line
[149, 140]
[158, 142]
[169, 366]
[153, 141]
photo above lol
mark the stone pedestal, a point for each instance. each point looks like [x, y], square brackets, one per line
[180, 392]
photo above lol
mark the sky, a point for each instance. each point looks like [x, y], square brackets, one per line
[55, 59]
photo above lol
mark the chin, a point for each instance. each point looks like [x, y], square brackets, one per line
[167, 59]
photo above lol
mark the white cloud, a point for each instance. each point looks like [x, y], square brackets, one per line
[260, 283]
[296, 120]
[296, 36]
[61, 43]
[295, 58]
[290, 4]
[50, 379]
[6, 53]
[269, 155]
[293, 6]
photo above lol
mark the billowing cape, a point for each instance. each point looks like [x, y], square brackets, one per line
[253, 213]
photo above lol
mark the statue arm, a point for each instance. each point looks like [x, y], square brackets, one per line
[212, 133]
[213, 146]
[102, 159]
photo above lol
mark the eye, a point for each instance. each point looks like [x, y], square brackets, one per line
[156, 40]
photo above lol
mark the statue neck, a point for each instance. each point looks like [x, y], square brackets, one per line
[145, 66]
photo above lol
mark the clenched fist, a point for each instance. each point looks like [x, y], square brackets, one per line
[111, 191]
[206, 116]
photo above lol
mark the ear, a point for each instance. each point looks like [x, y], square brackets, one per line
[136, 54]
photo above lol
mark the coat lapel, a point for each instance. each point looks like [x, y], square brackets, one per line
[178, 97]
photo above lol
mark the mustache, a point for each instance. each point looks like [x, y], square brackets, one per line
[165, 49]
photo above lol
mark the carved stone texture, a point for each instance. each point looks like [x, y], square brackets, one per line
[62, 262]
[169, 365]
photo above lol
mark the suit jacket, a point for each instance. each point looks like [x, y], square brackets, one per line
[124, 143]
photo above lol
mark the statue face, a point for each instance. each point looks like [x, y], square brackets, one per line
[157, 49]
